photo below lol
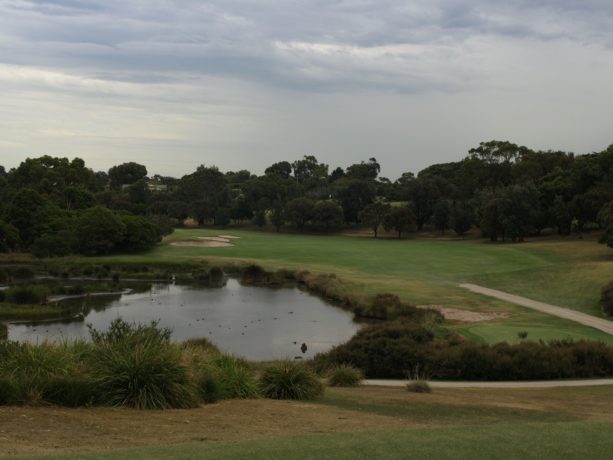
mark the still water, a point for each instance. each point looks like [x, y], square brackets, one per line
[254, 322]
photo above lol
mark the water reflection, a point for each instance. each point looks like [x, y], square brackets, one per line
[254, 322]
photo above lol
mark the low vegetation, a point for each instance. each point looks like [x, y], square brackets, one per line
[290, 380]
[391, 349]
[419, 386]
[344, 375]
[606, 299]
[138, 366]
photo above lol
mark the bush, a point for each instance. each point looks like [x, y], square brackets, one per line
[73, 390]
[21, 273]
[209, 387]
[606, 299]
[26, 294]
[419, 386]
[31, 367]
[389, 349]
[137, 366]
[290, 380]
[344, 375]
[235, 378]
[7, 390]
[4, 332]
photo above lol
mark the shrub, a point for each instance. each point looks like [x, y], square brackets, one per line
[30, 368]
[70, 390]
[213, 277]
[4, 332]
[235, 378]
[419, 386]
[137, 366]
[209, 387]
[26, 294]
[290, 380]
[252, 274]
[147, 375]
[606, 299]
[21, 273]
[7, 390]
[344, 375]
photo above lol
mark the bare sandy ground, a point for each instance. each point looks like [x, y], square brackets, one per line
[465, 316]
[204, 242]
[582, 318]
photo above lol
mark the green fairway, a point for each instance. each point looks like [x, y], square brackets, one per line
[569, 274]
[513, 441]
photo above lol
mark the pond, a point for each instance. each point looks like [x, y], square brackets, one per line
[254, 322]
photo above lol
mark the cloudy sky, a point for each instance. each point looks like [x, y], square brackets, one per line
[245, 83]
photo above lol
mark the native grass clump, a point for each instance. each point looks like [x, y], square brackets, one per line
[290, 380]
[344, 375]
[138, 366]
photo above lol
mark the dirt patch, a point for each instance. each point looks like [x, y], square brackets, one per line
[465, 316]
[30, 431]
[204, 242]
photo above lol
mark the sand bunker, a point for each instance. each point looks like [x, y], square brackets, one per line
[229, 237]
[466, 316]
[204, 242]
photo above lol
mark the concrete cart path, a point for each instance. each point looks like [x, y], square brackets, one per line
[522, 384]
[582, 318]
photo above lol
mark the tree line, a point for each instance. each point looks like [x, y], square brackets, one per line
[56, 206]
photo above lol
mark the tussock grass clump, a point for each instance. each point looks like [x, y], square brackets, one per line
[27, 369]
[419, 386]
[73, 390]
[290, 380]
[234, 378]
[344, 375]
[137, 366]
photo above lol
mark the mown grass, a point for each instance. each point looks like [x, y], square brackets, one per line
[568, 273]
[509, 441]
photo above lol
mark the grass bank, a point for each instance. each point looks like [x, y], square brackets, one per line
[364, 422]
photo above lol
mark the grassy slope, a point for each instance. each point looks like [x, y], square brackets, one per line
[539, 423]
[513, 441]
[569, 274]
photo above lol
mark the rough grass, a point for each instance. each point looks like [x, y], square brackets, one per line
[450, 423]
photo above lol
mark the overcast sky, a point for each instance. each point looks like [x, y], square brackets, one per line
[245, 83]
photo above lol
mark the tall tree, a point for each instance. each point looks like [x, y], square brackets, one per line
[374, 214]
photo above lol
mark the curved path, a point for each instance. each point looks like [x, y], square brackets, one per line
[572, 315]
[522, 384]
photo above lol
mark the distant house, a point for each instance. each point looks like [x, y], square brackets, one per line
[151, 186]
[156, 187]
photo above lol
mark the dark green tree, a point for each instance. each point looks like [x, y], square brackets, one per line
[400, 219]
[299, 211]
[374, 214]
[327, 215]
[98, 231]
[126, 174]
